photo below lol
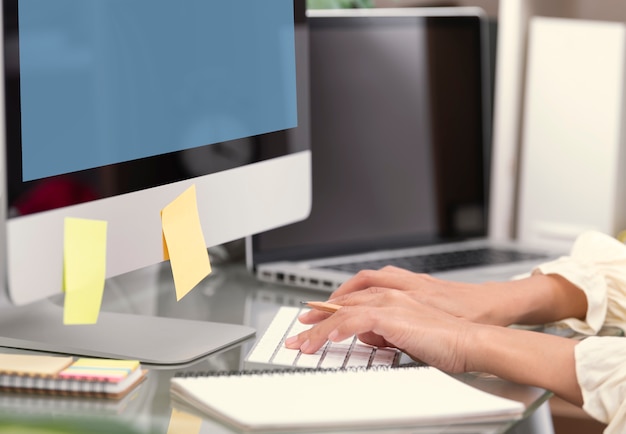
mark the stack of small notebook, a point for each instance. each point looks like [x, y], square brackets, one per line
[102, 378]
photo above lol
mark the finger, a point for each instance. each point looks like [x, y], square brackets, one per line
[394, 269]
[370, 323]
[374, 339]
[389, 277]
[410, 274]
[311, 340]
[374, 296]
[314, 316]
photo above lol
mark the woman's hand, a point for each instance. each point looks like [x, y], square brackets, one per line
[537, 299]
[445, 341]
[395, 319]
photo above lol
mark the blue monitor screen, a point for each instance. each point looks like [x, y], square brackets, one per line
[110, 81]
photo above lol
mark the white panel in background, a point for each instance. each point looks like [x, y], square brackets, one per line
[572, 168]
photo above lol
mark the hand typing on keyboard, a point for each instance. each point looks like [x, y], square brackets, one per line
[388, 319]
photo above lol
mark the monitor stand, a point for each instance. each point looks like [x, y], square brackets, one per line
[149, 339]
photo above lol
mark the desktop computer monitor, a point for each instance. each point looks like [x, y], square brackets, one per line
[112, 110]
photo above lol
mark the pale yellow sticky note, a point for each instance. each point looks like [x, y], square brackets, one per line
[106, 363]
[84, 269]
[27, 364]
[183, 423]
[184, 243]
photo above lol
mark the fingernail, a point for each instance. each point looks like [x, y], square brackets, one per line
[305, 346]
[291, 340]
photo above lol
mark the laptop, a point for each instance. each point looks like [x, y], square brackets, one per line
[400, 126]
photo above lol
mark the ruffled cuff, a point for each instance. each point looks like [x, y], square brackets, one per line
[601, 374]
[586, 277]
[596, 265]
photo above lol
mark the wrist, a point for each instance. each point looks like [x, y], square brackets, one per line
[514, 300]
[524, 357]
[496, 350]
[537, 299]
[549, 298]
[477, 341]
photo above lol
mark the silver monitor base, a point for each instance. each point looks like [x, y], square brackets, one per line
[149, 339]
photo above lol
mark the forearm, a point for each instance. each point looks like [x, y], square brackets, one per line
[541, 299]
[525, 357]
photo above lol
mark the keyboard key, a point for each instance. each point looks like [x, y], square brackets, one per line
[310, 360]
[333, 361]
[384, 356]
[284, 356]
[336, 354]
[273, 336]
[359, 357]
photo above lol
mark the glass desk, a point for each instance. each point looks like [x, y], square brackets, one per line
[232, 295]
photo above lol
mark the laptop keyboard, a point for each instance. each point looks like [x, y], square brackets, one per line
[270, 351]
[445, 261]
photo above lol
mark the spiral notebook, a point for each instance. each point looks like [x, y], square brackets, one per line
[103, 378]
[340, 398]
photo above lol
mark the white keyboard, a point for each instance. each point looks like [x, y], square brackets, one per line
[270, 352]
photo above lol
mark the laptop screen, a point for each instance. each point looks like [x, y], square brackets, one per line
[399, 110]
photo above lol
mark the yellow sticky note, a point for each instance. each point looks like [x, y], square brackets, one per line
[128, 365]
[183, 423]
[184, 243]
[84, 269]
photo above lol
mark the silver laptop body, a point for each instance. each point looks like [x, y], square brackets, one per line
[400, 116]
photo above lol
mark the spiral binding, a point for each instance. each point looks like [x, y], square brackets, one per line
[48, 385]
[42, 384]
[287, 371]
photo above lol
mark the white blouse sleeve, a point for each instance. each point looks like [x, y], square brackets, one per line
[601, 373]
[597, 265]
